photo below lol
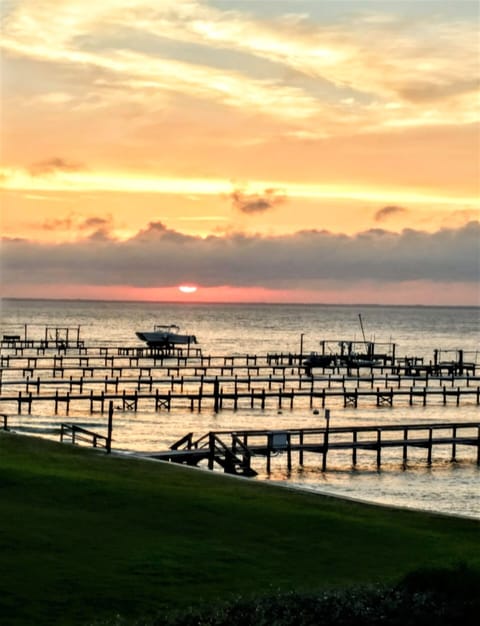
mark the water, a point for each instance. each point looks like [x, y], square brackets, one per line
[261, 329]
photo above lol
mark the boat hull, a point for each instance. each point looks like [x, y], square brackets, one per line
[165, 339]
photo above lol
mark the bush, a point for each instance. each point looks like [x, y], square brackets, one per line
[429, 596]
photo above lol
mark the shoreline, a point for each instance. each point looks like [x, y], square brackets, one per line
[303, 489]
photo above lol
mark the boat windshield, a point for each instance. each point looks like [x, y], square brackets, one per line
[166, 328]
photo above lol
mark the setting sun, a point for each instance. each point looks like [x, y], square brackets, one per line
[187, 288]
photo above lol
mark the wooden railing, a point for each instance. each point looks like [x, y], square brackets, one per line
[77, 433]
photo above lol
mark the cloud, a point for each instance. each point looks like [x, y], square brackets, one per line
[256, 203]
[53, 165]
[95, 222]
[381, 57]
[388, 211]
[160, 257]
[76, 222]
[58, 223]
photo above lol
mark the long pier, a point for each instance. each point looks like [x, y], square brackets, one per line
[62, 371]
[136, 377]
[220, 387]
[234, 450]
[217, 399]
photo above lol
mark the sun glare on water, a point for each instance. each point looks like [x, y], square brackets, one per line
[187, 288]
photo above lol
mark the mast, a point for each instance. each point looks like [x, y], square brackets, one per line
[361, 326]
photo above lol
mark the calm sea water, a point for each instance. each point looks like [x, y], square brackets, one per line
[261, 329]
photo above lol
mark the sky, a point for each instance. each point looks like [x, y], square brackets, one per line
[257, 150]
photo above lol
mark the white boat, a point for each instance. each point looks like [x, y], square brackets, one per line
[165, 335]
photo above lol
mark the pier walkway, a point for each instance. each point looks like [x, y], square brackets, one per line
[234, 450]
[67, 375]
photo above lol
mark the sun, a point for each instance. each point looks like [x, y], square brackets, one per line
[187, 288]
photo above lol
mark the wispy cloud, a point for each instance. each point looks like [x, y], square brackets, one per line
[77, 223]
[125, 182]
[388, 211]
[256, 203]
[395, 71]
[54, 164]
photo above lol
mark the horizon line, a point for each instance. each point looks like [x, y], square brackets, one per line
[253, 302]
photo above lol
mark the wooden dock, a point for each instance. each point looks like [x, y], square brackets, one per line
[135, 378]
[63, 376]
[234, 450]
[218, 395]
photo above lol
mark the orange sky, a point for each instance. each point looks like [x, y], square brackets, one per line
[239, 126]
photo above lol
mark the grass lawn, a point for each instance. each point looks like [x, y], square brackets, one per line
[84, 536]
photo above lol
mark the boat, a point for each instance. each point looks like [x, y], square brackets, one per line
[165, 336]
[318, 360]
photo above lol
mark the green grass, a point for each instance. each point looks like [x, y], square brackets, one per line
[85, 536]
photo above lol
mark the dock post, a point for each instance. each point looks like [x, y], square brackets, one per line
[216, 390]
[454, 445]
[405, 446]
[289, 453]
[300, 452]
[211, 450]
[109, 427]
[354, 449]
[478, 446]
[325, 440]
[429, 455]
[379, 448]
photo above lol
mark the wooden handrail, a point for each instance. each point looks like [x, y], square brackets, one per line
[73, 429]
[187, 439]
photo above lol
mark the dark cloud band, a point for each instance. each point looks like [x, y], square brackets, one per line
[158, 257]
